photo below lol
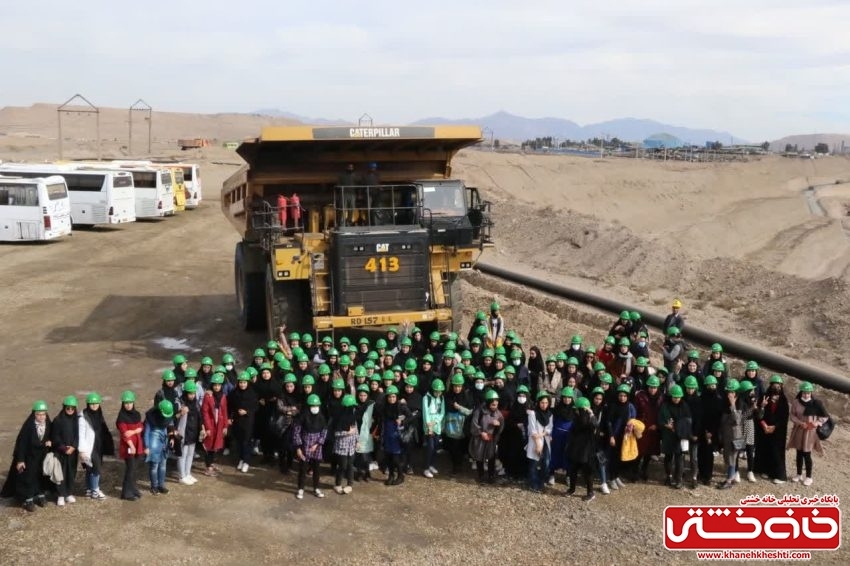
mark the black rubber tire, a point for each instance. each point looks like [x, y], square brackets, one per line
[287, 302]
[457, 302]
[250, 293]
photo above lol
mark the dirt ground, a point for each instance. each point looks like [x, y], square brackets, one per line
[105, 309]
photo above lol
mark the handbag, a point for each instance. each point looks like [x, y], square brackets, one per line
[739, 444]
[601, 457]
[824, 430]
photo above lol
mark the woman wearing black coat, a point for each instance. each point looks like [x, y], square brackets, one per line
[582, 447]
[242, 407]
[26, 480]
[65, 439]
[771, 431]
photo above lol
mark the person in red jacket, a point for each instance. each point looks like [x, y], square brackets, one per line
[606, 353]
[214, 418]
[648, 404]
[131, 443]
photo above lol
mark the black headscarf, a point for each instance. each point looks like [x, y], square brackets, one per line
[345, 419]
[128, 417]
[313, 423]
[543, 417]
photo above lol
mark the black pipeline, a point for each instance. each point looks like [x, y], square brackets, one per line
[705, 337]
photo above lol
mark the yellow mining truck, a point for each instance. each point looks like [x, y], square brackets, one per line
[353, 227]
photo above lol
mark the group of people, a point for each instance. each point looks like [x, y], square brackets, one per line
[392, 405]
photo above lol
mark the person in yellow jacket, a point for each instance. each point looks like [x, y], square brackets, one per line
[634, 430]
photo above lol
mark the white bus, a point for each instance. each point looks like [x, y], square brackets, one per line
[151, 186]
[97, 197]
[192, 182]
[34, 209]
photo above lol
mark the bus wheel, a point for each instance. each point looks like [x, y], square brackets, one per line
[249, 292]
[287, 302]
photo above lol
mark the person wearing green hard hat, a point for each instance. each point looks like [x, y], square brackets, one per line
[288, 408]
[486, 427]
[538, 451]
[747, 402]
[620, 414]
[676, 422]
[751, 375]
[204, 371]
[808, 417]
[648, 405]
[562, 420]
[458, 406]
[715, 356]
[496, 327]
[673, 350]
[267, 391]
[550, 380]
[308, 438]
[393, 420]
[64, 438]
[581, 451]
[159, 438]
[731, 432]
[433, 415]
[214, 423]
[26, 480]
[620, 327]
[344, 444]
[180, 365]
[130, 444]
[188, 422]
[365, 443]
[606, 353]
[258, 359]
[243, 407]
[94, 442]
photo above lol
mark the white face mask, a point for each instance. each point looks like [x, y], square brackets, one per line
[314, 410]
[575, 346]
[479, 386]
[517, 361]
[228, 367]
[522, 399]
[642, 343]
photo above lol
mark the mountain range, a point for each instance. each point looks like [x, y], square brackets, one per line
[510, 127]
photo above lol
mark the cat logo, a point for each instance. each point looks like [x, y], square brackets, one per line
[382, 248]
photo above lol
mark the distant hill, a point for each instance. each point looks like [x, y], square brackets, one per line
[277, 113]
[809, 141]
[508, 126]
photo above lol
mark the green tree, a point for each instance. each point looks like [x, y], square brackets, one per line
[765, 146]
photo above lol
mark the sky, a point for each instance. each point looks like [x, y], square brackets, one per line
[759, 69]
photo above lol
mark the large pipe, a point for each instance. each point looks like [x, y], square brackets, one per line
[764, 357]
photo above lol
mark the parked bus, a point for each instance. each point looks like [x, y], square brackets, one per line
[34, 209]
[152, 186]
[192, 182]
[97, 197]
[177, 185]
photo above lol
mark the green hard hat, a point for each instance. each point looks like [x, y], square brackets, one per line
[324, 369]
[313, 400]
[190, 386]
[285, 365]
[279, 357]
[392, 329]
[190, 373]
[368, 364]
[438, 385]
[560, 357]
[598, 366]
[572, 361]
[673, 331]
[435, 336]
[412, 381]
[306, 338]
[338, 384]
[428, 358]
[168, 375]
[480, 375]
[259, 353]
[625, 342]
[501, 358]
[360, 371]
[590, 350]
[634, 315]
[297, 351]
[710, 380]
[466, 355]
[345, 360]
[253, 371]
[499, 375]
[718, 366]
[375, 377]
[93, 399]
[480, 330]
[653, 381]
[510, 334]
[522, 389]
[166, 408]
[662, 369]
[392, 390]
[468, 371]
[598, 391]
[217, 378]
[576, 339]
[363, 341]
[732, 385]
[228, 359]
[491, 395]
[752, 365]
[206, 361]
[745, 386]
[290, 378]
[372, 356]
[610, 340]
[348, 400]
[266, 366]
[806, 387]
[481, 315]
[693, 354]
[388, 375]
[457, 379]
[624, 315]
[776, 379]
[308, 380]
[568, 392]
[624, 389]
[219, 369]
[515, 354]
[583, 403]
[69, 401]
[406, 341]
[302, 357]
[39, 406]
[243, 376]
[691, 382]
[489, 353]
[642, 362]
[508, 370]
[606, 378]
[363, 388]
[676, 391]
[294, 336]
[716, 347]
[344, 340]
[128, 397]
[179, 359]
[541, 395]
[380, 343]
[494, 306]
[410, 365]
[451, 345]
[449, 354]
[476, 341]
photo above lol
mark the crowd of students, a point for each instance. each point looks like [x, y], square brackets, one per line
[391, 406]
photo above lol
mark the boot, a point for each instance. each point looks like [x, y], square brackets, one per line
[644, 468]
[399, 479]
[367, 476]
[357, 475]
[390, 479]
[572, 488]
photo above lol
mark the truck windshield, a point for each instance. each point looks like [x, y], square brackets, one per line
[444, 200]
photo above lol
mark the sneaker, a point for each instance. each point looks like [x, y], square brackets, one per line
[613, 485]
[778, 481]
[373, 466]
[428, 474]
[589, 497]
[40, 500]
[751, 477]
[162, 489]
[551, 481]
[257, 451]
[725, 485]
[620, 482]
[29, 505]
[318, 493]
[192, 479]
[98, 495]
[239, 465]
[226, 452]
[808, 481]
[347, 489]
[764, 476]
[245, 467]
[299, 494]
[737, 478]
[211, 472]
[604, 488]
[185, 481]
[88, 493]
[433, 470]
[60, 502]
[338, 489]
[796, 478]
[70, 499]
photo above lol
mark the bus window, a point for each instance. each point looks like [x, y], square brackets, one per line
[19, 195]
[88, 183]
[119, 181]
[56, 192]
[142, 180]
[166, 178]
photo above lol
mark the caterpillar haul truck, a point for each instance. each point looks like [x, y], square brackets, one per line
[328, 246]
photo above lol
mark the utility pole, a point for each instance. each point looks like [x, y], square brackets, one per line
[91, 109]
[143, 106]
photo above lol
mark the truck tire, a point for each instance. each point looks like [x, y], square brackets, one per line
[456, 302]
[250, 291]
[287, 302]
